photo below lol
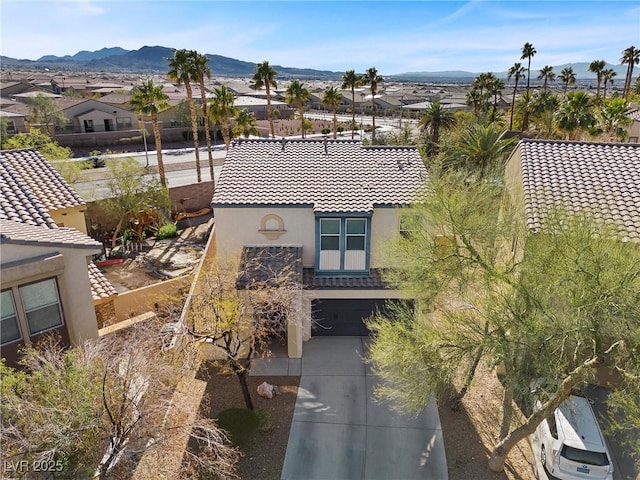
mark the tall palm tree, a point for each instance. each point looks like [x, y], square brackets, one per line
[546, 75]
[297, 95]
[607, 76]
[182, 70]
[597, 66]
[494, 88]
[203, 71]
[568, 77]
[528, 51]
[265, 76]
[332, 98]
[474, 99]
[483, 84]
[434, 119]
[245, 124]
[630, 56]
[576, 114]
[351, 80]
[221, 108]
[148, 100]
[517, 72]
[372, 80]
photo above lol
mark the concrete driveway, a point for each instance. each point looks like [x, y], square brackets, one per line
[338, 432]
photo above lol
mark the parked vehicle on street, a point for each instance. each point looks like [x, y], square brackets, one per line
[571, 444]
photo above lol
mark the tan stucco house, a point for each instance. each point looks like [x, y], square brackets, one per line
[328, 206]
[47, 281]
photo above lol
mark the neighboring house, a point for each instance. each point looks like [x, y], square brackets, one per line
[600, 178]
[14, 122]
[326, 205]
[62, 203]
[47, 280]
[634, 128]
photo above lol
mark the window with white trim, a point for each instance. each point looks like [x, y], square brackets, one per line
[343, 244]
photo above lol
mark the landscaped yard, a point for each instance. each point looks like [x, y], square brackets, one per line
[469, 434]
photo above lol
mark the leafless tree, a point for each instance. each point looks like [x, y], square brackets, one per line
[239, 310]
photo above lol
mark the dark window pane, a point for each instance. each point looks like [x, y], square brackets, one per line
[330, 243]
[44, 318]
[355, 243]
[329, 226]
[356, 225]
[9, 331]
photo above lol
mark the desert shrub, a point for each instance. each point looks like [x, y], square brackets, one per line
[167, 230]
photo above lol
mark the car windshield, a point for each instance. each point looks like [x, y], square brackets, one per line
[584, 456]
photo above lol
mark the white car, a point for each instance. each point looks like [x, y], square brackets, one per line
[571, 444]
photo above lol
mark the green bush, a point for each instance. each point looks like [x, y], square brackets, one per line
[241, 423]
[326, 131]
[167, 230]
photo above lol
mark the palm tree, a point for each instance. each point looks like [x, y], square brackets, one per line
[435, 118]
[494, 88]
[245, 124]
[483, 84]
[148, 100]
[350, 80]
[597, 66]
[484, 149]
[297, 95]
[528, 51]
[221, 109]
[517, 72]
[372, 79]
[332, 98]
[576, 114]
[543, 106]
[546, 75]
[607, 76]
[202, 70]
[265, 76]
[630, 56]
[613, 119]
[474, 99]
[182, 70]
[568, 77]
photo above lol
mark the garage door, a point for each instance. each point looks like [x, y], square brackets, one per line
[344, 317]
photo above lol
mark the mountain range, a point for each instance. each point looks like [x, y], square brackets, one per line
[155, 59]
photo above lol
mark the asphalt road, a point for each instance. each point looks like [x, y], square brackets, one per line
[179, 164]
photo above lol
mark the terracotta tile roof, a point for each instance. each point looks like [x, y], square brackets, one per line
[373, 281]
[269, 266]
[100, 286]
[45, 182]
[330, 176]
[635, 114]
[603, 178]
[25, 234]
[17, 200]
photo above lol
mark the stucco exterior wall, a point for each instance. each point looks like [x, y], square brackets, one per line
[236, 227]
[70, 217]
[73, 283]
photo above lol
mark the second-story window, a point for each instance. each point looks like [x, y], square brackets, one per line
[343, 244]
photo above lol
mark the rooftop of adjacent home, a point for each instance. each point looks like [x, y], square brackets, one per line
[43, 180]
[327, 175]
[600, 178]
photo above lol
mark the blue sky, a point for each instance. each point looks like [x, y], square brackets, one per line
[394, 36]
